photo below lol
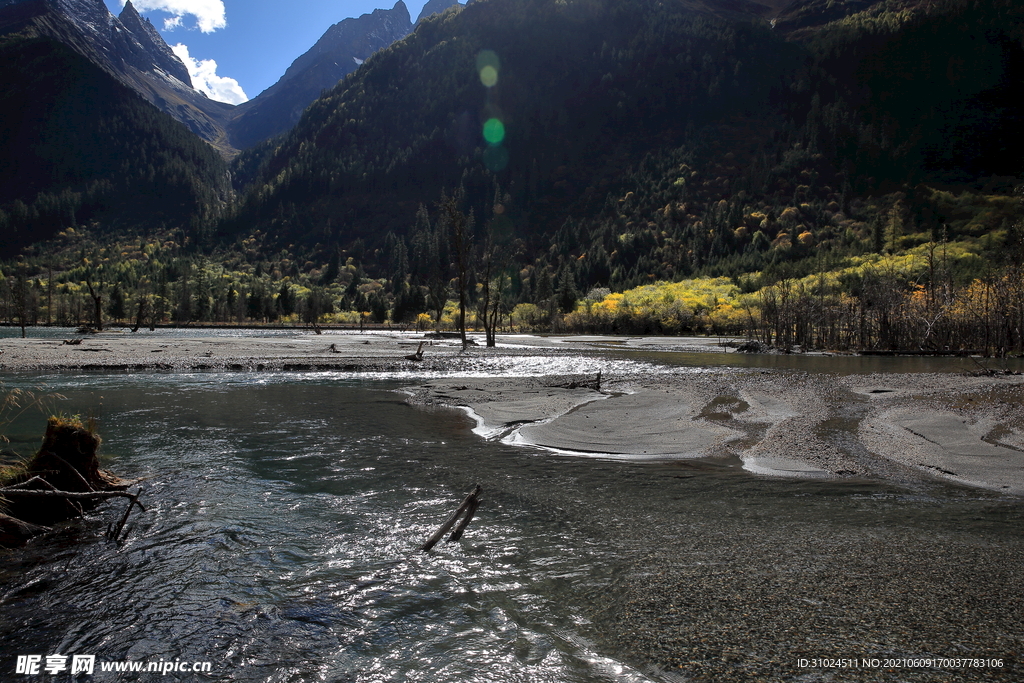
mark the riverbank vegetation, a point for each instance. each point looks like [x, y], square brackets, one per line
[938, 296]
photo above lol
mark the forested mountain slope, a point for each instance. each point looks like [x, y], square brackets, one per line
[583, 89]
[77, 146]
[653, 140]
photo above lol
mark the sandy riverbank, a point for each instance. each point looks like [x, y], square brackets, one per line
[735, 582]
[272, 349]
[124, 351]
[900, 427]
[730, 583]
[903, 428]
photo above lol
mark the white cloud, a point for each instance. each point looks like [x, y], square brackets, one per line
[205, 78]
[209, 14]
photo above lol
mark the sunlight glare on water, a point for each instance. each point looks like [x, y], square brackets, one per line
[279, 542]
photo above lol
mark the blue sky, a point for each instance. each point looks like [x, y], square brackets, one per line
[249, 41]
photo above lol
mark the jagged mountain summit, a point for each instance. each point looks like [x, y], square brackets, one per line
[155, 50]
[118, 41]
[128, 48]
[133, 51]
[339, 52]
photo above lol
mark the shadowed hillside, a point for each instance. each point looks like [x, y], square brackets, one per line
[77, 147]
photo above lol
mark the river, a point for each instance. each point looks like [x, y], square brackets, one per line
[283, 512]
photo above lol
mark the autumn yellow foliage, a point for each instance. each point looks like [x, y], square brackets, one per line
[697, 306]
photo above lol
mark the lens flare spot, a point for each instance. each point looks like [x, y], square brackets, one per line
[494, 131]
[487, 58]
[495, 158]
[489, 76]
[488, 65]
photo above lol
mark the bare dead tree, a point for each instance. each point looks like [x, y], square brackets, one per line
[96, 292]
[460, 226]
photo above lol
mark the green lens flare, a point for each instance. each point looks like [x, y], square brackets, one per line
[487, 58]
[487, 65]
[489, 76]
[494, 131]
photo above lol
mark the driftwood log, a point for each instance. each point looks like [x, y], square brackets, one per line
[465, 511]
[594, 384]
[466, 519]
[418, 355]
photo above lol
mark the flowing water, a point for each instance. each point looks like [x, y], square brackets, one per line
[283, 512]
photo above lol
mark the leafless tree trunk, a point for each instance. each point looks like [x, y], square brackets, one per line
[97, 300]
[461, 232]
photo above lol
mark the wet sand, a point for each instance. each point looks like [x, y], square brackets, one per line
[893, 553]
[901, 428]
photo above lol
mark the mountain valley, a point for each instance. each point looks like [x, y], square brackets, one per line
[590, 149]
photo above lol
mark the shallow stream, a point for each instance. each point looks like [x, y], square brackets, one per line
[284, 510]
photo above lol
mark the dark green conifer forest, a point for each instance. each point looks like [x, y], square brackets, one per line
[78, 147]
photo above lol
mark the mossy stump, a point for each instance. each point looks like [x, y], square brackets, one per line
[68, 445]
[66, 461]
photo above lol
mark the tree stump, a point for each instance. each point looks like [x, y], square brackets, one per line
[66, 461]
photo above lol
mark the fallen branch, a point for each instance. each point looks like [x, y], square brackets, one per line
[15, 488]
[69, 495]
[27, 482]
[471, 502]
[594, 384]
[470, 512]
[419, 353]
[72, 498]
[113, 536]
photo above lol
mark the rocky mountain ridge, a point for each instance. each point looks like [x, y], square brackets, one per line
[339, 52]
[133, 51]
[155, 48]
[117, 43]
[126, 47]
